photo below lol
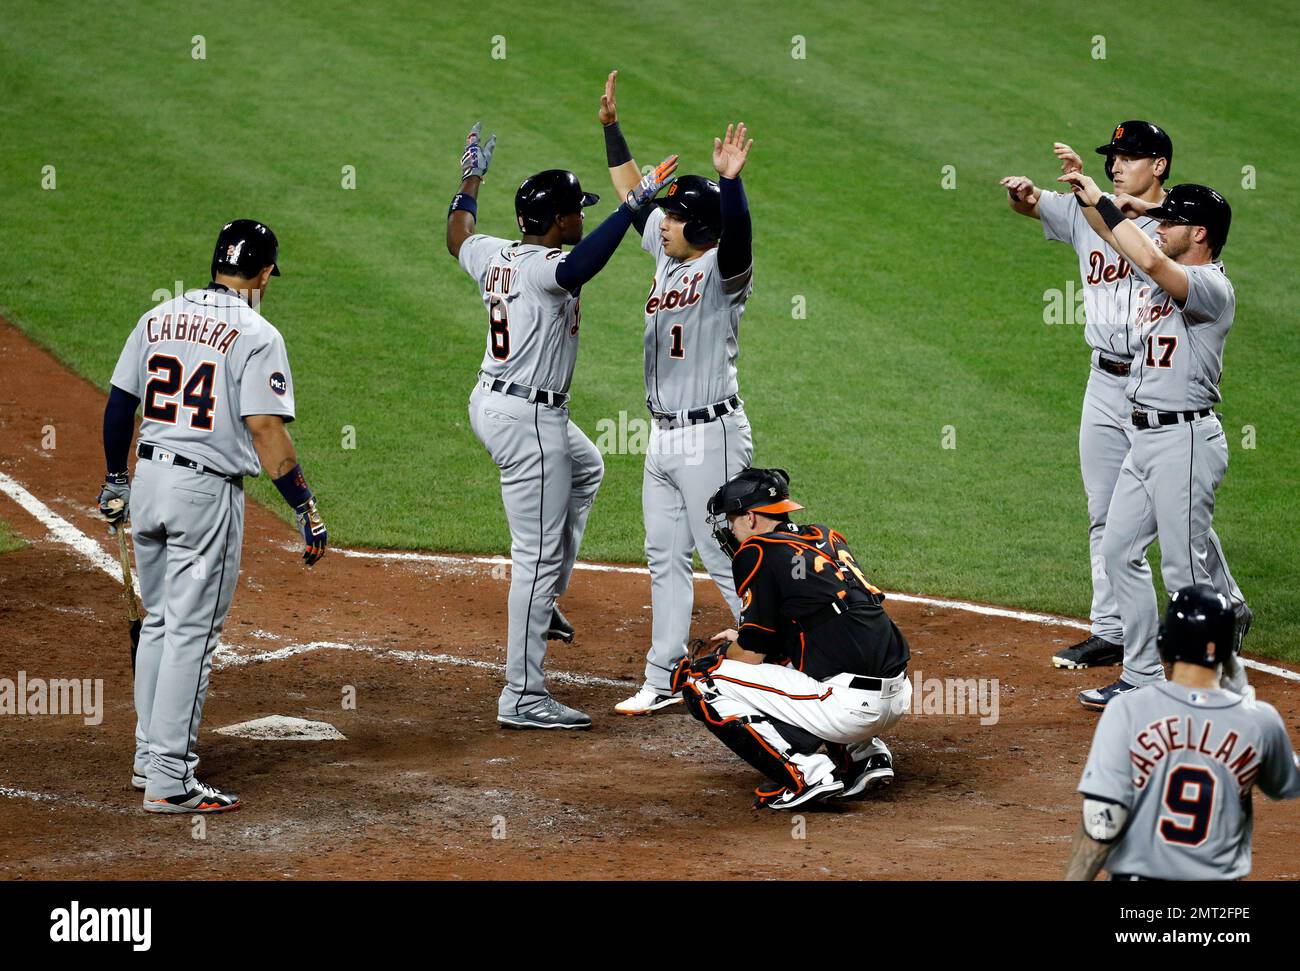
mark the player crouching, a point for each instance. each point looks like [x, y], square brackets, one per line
[816, 671]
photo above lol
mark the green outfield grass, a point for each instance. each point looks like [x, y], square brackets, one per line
[924, 305]
[9, 540]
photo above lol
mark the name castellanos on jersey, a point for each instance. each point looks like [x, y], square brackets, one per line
[194, 327]
[1184, 733]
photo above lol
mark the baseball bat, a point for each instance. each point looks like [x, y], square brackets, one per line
[128, 589]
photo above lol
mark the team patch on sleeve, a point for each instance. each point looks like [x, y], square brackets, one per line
[278, 384]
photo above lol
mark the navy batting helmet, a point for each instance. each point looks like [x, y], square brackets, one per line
[1199, 627]
[698, 201]
[753, 490]
[245, 247]
[1190, 204]
[1138, 138]
[548, 194]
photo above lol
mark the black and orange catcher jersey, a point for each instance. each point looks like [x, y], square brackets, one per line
[805, 602]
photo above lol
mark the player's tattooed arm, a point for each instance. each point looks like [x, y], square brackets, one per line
[1086, 857]
[463, 214]
[280, 460]
[1022, 195]
[623, 171]
[1130, 241]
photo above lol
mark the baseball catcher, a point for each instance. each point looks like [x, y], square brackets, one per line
[816, 670]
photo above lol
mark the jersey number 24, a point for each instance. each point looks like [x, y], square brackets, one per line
[168, 377]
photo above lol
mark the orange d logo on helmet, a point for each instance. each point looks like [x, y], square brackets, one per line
[672, 188]
[1119, 131]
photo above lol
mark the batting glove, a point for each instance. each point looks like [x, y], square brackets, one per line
[115, 499]
[313, 529]
[649, 186]
[477, 157]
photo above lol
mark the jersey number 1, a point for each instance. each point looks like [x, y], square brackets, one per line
[197, 397]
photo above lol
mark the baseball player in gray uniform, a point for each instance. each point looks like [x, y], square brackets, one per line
[1185, 307]
[1138, 158]
[550, 470]
[701, 240]
[1167, 786]
[213, 377]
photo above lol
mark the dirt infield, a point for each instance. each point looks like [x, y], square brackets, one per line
[426, 785]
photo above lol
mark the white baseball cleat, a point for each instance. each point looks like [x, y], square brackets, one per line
[645, 701]
[828, 787]
[201, 799]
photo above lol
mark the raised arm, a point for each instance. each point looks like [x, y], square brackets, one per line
[590, 256]
[463, 214]
[736, 242]
[623, 171]
[1129, 241]
[1023, 195]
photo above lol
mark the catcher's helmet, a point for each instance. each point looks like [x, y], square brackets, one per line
[1199, 627]
[1138, 138]
[1197, 205]
[698, 201]
[245, 247]
[548, 194]
[753, 490]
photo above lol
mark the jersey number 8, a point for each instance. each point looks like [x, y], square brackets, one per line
[498, 329]
[197, 397]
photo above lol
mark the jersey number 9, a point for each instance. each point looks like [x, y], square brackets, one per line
[1189, 793]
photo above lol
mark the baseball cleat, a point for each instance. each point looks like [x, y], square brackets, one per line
[645, 701]
[1245, 617]
[138, 780]
[877, 773]
[561, 629]
[1095, 652]
[1096, 699]
[201, 799]
[549, 714]
[830, 786]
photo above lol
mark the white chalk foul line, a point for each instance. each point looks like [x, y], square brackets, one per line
[1048, 620]
[8, 792]
[228, 657]
[64, 532]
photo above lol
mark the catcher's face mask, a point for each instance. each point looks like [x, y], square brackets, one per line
[723, 535]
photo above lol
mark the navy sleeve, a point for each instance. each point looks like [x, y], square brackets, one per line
[589, 257]
[736, 244]
[119, 426]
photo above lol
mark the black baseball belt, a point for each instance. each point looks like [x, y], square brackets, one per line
[707, 413]
[553, 398]
[1112, 366]
[1155, 419]
[149, 452]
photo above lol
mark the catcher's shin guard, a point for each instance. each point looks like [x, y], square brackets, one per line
[752, 737]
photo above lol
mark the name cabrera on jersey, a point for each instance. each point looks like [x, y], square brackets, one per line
[1110, 289]
[788, 580]
[532, 336]
[1184, 761]
[692, 326]
[1181, 358]
[200, 363]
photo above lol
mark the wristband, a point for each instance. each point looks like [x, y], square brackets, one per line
[463, 202]
[116, 478]
[616, 150]
[293, 487]
[1109, 213]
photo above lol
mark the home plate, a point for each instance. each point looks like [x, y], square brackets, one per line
[282, 728]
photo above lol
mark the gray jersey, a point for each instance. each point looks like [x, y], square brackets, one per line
[1110, 292]
[1184, 761]
[200, 363]
[1180, 358]
[532, 336]
[692, 323]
